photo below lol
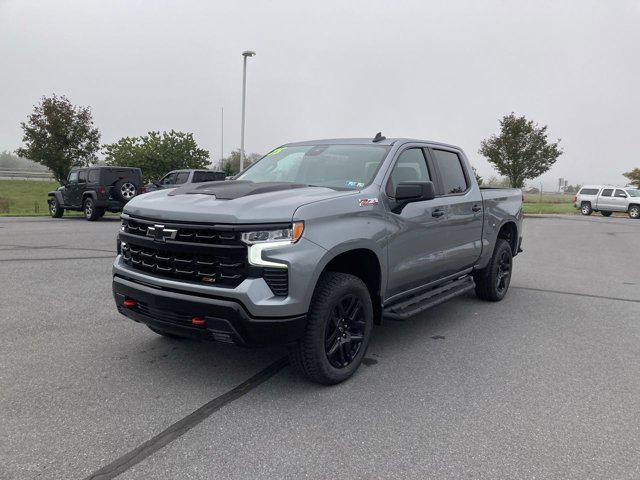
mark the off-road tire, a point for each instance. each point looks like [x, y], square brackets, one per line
[91, 213]
[55, 210]
[634, 212]
[309, 356]
[605, 213]
[487, 285]
[585, 209]
[165, 334]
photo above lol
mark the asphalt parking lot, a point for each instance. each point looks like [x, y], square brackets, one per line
[545, 384]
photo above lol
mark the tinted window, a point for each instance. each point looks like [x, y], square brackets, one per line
[410, 167]
[82, 176]
[94, 175]
[453, 179]
[606, 192]
[589, 191]
[73, 176]
[200, 177]
[621, 194]
[182, 177]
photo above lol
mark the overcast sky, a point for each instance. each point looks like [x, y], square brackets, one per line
[442, 70]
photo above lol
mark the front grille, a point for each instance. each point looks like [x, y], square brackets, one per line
[189, 233]
[278, 280]
[206, 254]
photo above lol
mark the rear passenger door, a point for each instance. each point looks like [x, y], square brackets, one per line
[605, 201]
[462, 202]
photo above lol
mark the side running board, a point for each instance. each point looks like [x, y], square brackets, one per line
[422, 301]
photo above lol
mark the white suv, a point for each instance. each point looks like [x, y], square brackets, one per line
[607, 199]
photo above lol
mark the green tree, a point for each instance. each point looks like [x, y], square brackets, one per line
[60, 136]
[521, 151]
[231, 164]
[633, 176]
[157, 153]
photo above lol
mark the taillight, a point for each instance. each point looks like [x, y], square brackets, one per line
[142, 190]
[101, 189]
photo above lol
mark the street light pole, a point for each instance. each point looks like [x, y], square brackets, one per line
[245, 54]
[220, 166]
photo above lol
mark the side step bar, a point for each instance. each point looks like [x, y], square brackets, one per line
[423, 301]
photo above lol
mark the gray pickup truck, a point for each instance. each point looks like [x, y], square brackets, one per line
[314, 244]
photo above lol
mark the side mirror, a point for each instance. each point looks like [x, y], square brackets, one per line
[408, 192]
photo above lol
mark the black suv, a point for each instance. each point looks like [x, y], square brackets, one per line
[96, 190]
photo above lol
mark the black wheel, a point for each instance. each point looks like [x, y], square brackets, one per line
[166, 334]
[492, 282]
[55, 210]
[585, 209]
[634, 211]
[91, 213]
[338, 329]
[125, 190]
[605, 214]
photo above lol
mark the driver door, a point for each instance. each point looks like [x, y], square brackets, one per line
[70, 192]
[417, 243]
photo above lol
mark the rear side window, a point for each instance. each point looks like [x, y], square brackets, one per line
[94, 175]
[410, 167]
[589, 191]
[450, 167]
[182, 177]
[199, 177]
[606, 192]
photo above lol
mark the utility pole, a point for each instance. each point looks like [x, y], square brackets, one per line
[245, 55]
[220, 166]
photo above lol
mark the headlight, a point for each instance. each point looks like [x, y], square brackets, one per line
[291, 235]
[265, 239]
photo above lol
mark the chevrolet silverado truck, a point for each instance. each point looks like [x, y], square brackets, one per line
[314, 244]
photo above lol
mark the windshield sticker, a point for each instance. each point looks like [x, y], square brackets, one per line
[368, 202]
[277, 150]
[354, 184]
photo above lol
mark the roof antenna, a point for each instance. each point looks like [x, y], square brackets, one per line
[379, 137]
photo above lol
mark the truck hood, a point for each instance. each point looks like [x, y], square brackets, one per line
[228, 202]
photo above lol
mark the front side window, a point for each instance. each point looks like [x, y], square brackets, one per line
[168, 179]
[73, 177]
[450, 168]
[342, 167]
[607, 192]
[82, 176]
[621, 194]
[410, 167]
[182, 177]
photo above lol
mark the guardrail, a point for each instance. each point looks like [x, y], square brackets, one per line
[8, 174]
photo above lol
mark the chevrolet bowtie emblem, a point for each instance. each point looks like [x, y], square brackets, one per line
[160, 234]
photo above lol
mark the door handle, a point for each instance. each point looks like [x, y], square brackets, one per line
[476, 208]
[437, 213]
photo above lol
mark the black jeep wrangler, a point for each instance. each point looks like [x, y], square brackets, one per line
[96, 190]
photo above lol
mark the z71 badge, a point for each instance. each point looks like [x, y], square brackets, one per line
[368, 202]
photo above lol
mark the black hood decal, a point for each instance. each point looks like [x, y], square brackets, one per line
[230, 189]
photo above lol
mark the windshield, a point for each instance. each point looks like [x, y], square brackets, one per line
[634, 193]
[348, 167]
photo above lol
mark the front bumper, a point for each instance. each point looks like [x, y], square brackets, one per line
[224, 320]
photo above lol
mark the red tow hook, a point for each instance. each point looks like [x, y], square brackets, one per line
[129, 303]
[199, 321]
